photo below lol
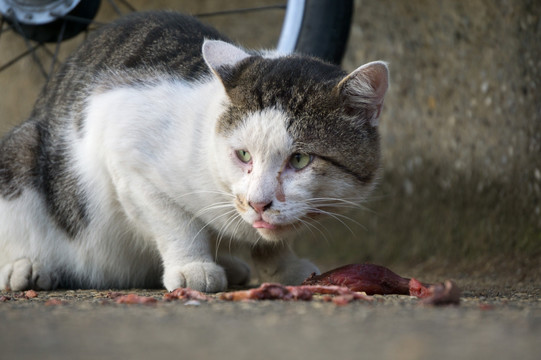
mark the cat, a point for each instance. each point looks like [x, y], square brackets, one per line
[159, 139]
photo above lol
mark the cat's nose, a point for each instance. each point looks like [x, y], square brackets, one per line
[259, 207]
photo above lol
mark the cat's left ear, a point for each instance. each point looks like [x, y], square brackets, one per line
[219, 54]
[363, 91]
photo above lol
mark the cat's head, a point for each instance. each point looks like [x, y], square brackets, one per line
[298, 139]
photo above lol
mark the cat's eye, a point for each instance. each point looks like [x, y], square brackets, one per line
[299, 161]
[244, 156]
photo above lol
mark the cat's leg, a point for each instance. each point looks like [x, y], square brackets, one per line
[236, 270]
[278, 263]
[181, 240]
[184, 247]
[24, 274]
[187, 257]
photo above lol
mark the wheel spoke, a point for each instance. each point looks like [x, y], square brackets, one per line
[242, 11]
[126, 4]
[18, 57]
[2, 22]
[31, 48]
[4, 29]
[51, 55]
[115, 7]
[78, 19]
[57, 47]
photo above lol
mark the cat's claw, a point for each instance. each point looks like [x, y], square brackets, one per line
[201, 276]
[24, 274]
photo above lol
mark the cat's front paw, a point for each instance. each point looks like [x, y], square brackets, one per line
[201, 276]
[24, 274]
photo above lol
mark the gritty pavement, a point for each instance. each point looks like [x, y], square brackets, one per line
[490, 323]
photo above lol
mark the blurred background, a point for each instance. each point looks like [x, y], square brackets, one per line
[460, 193]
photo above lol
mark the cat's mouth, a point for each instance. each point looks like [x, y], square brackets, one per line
[271, 231]
[262, 224]
[269, 228]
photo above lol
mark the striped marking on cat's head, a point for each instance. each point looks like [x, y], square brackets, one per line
[329, 112]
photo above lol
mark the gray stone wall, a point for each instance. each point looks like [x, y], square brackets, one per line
[461, 129]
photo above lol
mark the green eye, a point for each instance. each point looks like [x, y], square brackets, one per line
[299, 161]
[244, 156]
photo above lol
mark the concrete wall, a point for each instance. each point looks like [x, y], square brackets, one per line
[461, 129]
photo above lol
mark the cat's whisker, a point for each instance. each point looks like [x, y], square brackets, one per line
[310, 226]
[239, 223]
[215, 206]
[354, 202]
[223, 230]
[295, 226]
[254, 245]
[339, 218]
[211, 207]
[339, 203]
[209, 223]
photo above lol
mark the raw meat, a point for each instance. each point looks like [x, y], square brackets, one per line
[376, 279]
[135, 299]
[370, 278]
[271, 291]
[186, 294]
[446, 293]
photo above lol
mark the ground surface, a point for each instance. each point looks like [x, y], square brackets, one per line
[494, 321]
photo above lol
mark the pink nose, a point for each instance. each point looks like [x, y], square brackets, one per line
[259, 207]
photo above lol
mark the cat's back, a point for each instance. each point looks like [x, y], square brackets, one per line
[161, 40]
[133, 49]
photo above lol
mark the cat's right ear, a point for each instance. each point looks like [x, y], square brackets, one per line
[220, 55]
[363, 91]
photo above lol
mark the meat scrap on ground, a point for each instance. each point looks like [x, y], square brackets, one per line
[379, 280]
[135, 299]
[271, 291]
[370, 278]
[55, 302]
[446, 293]
[186, 294]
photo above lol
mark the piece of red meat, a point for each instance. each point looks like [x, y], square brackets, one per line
[135, 299]
[271, 291]
[369, 278]
[375, 279]
[186, 294]
[446, 293]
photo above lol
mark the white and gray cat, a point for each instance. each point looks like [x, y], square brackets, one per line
[158, 138]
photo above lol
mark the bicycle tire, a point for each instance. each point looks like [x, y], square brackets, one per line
[313, 27]
[323, 31]
[49, 32]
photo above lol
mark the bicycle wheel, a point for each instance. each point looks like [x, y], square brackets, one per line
[34, 34]
[317, 27]
[314, 27]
